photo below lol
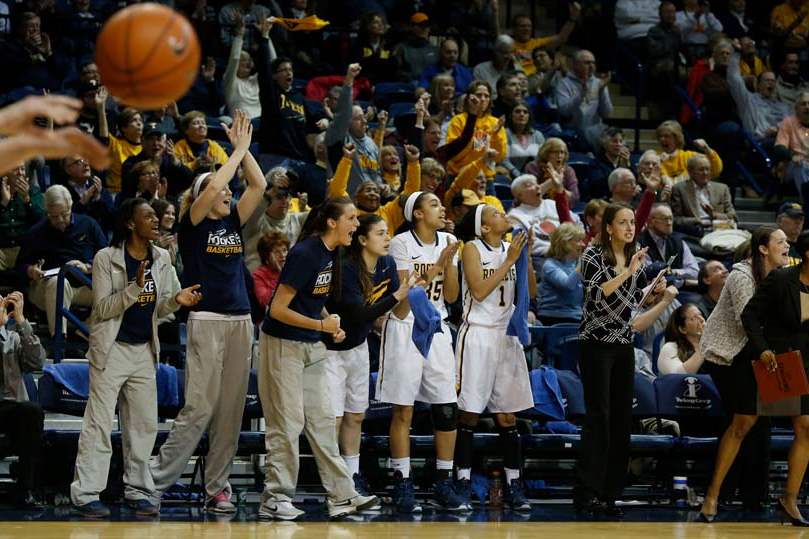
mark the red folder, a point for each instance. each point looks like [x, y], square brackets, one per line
[788, 380]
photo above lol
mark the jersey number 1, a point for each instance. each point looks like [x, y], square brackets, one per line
[502, 297]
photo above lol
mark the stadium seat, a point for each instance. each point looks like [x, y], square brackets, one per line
[569, 353]
[549, 338]
[252, 405]
[687, 395]
[397, 109]
[644, 401]
[657, 344]
[572, 393]
[64, 388]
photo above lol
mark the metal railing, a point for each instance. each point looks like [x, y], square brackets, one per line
[62, 313]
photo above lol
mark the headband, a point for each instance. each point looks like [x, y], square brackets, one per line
[478, 218]
[408, 207]
[198, 183]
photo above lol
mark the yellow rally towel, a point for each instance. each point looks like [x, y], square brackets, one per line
[312, 22]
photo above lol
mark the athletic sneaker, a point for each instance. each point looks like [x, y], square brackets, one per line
[143, 507]
[220, 503]
[94, 509]
[362, 488]
[515, 497]
[273, 510]
[463, 488]
[351, 505]
[404, 494]
[446, 497]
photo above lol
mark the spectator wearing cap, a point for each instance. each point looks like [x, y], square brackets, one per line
[166, 118]
[240, 82]
[711, 278]
[449, 63]
[416, 53]
[790, 219]
[502, 63]
[699, 203]
[87, 191]
[522, 28]
[584, 98]
[63, 237]
[21, 206]
[157, 150]
[195, 150]
[760, 111]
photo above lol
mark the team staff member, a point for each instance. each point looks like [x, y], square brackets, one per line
[370, 288]
[220, 331]
[134, 285]
[405, 375]
[492, 372]
[293, 365]
[613, 287]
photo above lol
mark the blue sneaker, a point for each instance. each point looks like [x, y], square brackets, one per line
[463, 488]
[143, 508]
[363, 489]
[515, 497]
[94, 509]
[404, 494]
[446, 497]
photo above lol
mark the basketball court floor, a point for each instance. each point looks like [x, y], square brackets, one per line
[546, 521]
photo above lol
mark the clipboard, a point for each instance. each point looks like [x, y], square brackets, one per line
[647, 291]
[788, 380]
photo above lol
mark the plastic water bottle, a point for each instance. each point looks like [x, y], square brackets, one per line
[496, 489]
[680, 491]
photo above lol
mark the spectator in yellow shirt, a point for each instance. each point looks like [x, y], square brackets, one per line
[195, 150]
[674, 160]
[789, 23]
[130, 127]
[489, 139]
[472, 179]
[525, 43]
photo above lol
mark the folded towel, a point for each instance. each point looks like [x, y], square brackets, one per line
[518, 325]
[74, 377]
[547, 393]
[427, 320]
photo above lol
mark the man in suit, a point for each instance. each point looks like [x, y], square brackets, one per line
[663, 243]
[698, 203]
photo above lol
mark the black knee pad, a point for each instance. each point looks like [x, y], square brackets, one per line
[445, 416]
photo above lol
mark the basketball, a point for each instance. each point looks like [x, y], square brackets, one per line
[147, 55]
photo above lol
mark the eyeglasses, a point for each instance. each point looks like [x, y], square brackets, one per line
[63, 215]
[77, 162]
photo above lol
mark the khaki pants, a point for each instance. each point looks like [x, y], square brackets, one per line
[295, 397]
[42, 293]
[216, 375]
[128, 379]
[8, 257]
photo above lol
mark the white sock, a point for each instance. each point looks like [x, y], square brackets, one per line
[401, 465]
[464, 473]
[352, 463]
[511, 475]
[443, 464]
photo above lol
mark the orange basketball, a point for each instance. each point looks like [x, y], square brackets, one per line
[148, 55]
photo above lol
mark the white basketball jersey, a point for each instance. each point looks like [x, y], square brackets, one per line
[412, 254]
[495, 310]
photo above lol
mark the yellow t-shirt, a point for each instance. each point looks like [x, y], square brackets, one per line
[215, 153]
[482, 138]
[523, 52]
[757, 69]
[783, 15]
[120, 150]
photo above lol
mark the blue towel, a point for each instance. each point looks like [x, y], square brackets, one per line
[518, 325]
[547, 393]
[74, 377]
[427, 320]
[168, 393]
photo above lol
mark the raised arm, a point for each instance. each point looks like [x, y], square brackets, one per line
[256, 183]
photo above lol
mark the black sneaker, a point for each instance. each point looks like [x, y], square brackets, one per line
[404, 494]
[515, 497]
[94, 509]
[446, 497]
[143, 508]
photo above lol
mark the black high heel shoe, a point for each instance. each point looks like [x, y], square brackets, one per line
[705, 517]
[783, 514]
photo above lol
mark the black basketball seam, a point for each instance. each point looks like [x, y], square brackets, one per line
[156, 43]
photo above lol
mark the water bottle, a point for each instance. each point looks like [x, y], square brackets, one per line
[496, 489]
[680, 496]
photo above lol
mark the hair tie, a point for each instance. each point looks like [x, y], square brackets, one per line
[478, 218]
[408, 207]
[198, 183]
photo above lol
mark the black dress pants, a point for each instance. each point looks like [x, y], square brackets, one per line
[23, 422]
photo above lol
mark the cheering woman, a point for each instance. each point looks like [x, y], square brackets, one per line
[293, 364]
[612, 274]
[220, 331]
[134, 285]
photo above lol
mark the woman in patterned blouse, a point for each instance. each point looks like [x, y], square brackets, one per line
[613, 278]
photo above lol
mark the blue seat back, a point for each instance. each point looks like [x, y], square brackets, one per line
[569, 353]
[644, 400]
[549, 339]
[687, 395]
[657, 344]
[64, 388]
[572, 393]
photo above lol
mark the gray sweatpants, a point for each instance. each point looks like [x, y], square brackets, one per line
[295, 397]
[216, 375]
[128, 379]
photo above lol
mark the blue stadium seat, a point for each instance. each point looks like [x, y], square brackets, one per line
[644, 401]
[687, 395]
[569, 353]
[572, 393]
[397, 109]
[387, 93]
[502, 191]
[64, 388]
[657, 344]
[549, 338]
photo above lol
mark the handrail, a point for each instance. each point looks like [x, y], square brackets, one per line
[58, 336]
[689, 102]
[638, 70]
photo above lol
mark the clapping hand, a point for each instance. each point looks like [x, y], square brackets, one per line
[188, 297]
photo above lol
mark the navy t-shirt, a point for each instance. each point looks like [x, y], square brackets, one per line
[358, 311]
[136, 326]
[212, 253]
[308, 270]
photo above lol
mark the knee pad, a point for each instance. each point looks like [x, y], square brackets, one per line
[445, 416]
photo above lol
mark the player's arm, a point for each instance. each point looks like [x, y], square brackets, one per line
[479, 287]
